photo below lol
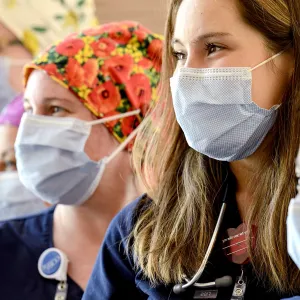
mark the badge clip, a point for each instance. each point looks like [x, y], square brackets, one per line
[53, 264]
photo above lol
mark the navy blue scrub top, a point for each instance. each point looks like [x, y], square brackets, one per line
[114, 276]
[22, 241]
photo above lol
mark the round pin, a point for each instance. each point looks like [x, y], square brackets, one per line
[53, 264]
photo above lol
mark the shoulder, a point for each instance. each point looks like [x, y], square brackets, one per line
[114, 274]
[33, 231]
[21, 243]
[123, 223]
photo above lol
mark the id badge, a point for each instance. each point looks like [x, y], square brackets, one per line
[239, 289]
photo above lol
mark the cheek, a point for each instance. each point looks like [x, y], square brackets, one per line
[99, 144]
[269, 86]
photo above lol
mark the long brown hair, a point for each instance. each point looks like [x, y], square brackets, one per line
[172, 233]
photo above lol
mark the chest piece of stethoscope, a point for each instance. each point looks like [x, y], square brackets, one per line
[53, 264]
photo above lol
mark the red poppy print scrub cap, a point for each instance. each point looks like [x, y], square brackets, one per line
[112, 69]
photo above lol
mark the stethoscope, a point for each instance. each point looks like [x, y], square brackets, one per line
[225, 281]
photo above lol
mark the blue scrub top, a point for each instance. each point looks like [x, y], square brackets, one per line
[114, 276]
[22, 241]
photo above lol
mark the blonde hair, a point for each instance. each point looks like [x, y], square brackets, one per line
[173, 231]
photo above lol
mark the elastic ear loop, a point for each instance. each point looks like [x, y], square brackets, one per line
[128, 139]
[266, 61]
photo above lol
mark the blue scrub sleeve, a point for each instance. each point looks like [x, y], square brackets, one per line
[113, 276]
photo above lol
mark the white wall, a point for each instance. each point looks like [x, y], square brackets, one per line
[151, 13]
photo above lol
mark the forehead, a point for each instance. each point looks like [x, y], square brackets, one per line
[196, 17]
[41, 86]
[39, 81]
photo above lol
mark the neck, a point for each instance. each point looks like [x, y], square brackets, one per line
[79, 230]
[244, 172]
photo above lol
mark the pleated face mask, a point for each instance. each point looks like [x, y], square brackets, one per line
[51, 160]
[215, 110]
[15, 200]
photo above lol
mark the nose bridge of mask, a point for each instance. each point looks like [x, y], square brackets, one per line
[63, 133]
[223, 86]
[42, 126]
[227, 85]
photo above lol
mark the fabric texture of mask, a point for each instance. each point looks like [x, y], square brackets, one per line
[51, 160]
[293, 230]
[7, 93]
[15, 200]
[215, 110]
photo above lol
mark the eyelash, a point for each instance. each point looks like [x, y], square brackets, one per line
[208, 47]
[176, 54]
[57, 107]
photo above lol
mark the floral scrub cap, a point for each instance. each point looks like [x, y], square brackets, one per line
[39, 23]
[112, 69]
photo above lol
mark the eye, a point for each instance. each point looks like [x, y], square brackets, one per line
[179, 55]
[212, 48]
[10, 165]
[57, 110]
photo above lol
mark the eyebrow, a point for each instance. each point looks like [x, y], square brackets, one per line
[49, 99]
[202, 37]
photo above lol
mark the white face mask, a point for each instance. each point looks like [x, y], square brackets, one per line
[15, 200]
[51, 160]
[214, 108]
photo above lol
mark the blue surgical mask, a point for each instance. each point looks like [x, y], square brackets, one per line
[51, 160]
[215, 110]
[7, 92]
[15, 200]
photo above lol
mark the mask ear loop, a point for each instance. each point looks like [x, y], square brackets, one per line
[113, 118]
[132, 135]
[266, 61]
[123, 145]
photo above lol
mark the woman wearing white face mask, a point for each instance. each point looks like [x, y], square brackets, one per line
[15, 199]
[213, 225]
[84, 99]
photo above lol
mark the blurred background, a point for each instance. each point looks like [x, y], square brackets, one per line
[151, 13]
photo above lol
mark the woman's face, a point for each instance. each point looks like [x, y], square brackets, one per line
[212, 34]
[44, 96]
